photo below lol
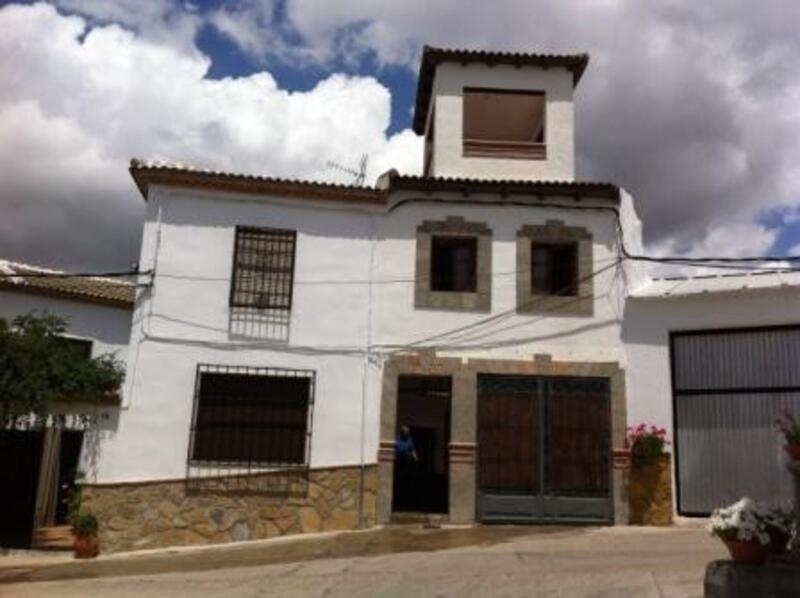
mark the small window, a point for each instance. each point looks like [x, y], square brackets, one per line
[504, 123]
[454, 263]
[81, 347]
[554, 269]
[263, 268]
[251, 415]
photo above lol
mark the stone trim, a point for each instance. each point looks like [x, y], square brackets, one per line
[453, 226]
[462, 451]
[554, 231]
[136, 516]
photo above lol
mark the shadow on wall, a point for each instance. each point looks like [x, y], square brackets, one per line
[253, 323]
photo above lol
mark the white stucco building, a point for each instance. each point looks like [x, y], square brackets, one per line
[290, 330]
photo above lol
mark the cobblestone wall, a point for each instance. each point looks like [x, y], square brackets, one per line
[650, 493]
[157, 514]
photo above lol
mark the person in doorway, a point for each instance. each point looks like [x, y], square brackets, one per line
[404, 450]
[405, 457]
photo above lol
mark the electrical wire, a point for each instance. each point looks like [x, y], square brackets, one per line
[688, 260]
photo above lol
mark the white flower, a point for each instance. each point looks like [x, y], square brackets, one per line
[747, 520]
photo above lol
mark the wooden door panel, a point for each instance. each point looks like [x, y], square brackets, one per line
[508, 436]
[579, 423]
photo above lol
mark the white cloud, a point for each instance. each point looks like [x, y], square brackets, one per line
[690, 105]
[85, 100]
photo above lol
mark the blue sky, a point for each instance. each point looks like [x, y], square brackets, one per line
[690, 106]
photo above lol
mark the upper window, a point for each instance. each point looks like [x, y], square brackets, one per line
[454, 262]
[554, 269]
[504, 123]
[263, 268]
[251, 415]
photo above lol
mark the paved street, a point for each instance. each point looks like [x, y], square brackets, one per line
[496, 561]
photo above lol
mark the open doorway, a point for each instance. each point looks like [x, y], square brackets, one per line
[423, 433]
[21, 460]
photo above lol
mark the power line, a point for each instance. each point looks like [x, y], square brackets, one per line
[509, 312]
[618, 221]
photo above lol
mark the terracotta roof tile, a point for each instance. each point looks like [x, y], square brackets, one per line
[54, 283]
[146, 173]
[173, 174]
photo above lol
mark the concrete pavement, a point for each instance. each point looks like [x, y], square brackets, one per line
[483, 561]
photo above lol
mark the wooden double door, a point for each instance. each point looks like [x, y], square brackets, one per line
[544, 449]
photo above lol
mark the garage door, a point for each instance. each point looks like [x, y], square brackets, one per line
[543, 448]
[729, 386]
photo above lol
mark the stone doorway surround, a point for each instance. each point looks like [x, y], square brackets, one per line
[462, 450]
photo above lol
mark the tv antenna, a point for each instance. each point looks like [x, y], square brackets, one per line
[358, 174]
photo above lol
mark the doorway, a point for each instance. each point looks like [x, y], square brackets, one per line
[421, 481]
[20, 465]
[544, 446]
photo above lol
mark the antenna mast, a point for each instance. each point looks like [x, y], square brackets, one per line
[359, 175]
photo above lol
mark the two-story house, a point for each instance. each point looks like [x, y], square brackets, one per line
[291, 331]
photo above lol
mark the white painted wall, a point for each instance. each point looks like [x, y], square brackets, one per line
[447, 104]
[107, 327]
[510, 335]
[185, 320]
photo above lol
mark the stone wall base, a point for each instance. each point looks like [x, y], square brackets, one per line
[650, 492]
[136, 516]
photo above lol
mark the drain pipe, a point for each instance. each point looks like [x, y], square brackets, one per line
[365, 376]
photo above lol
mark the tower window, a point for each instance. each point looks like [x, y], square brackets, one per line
[504, 124]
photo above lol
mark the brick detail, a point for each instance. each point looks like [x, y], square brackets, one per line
[386, 450]
[461, 452]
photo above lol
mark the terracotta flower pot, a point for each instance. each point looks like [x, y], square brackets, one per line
[793, 450]
[753, 553]
[86, 547]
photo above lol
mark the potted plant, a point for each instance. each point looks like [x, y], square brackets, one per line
[750, 530]
[84, 527]
[646, 444]
[780, 527]
[789, 426]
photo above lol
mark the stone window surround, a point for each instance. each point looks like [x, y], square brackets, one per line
[554, 231]
[462, 449]
[453, 226]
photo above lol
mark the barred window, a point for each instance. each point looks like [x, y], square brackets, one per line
[248, 416]
[263, 268]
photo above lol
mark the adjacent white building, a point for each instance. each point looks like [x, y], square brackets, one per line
[289, 331]
[39, 466]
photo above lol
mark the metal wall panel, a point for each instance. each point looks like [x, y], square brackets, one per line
[729, 387]
[750, 359]
[728, 448]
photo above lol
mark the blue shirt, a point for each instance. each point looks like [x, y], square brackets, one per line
[404, 446]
